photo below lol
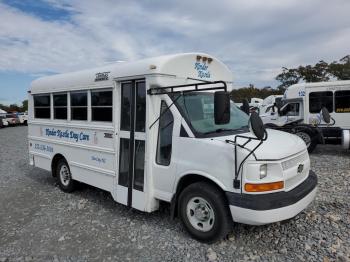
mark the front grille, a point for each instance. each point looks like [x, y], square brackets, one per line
[295, 161]
[295, 181]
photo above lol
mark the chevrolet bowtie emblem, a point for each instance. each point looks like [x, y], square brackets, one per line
[300, 168]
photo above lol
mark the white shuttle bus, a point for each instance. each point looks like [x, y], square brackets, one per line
[302, 105]
[164, 129]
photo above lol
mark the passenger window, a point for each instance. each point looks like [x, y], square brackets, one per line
[291, 109]
[317, 100]
[165, 135]
[125, 113]
[42, 106]
[140, 107]
[102, 106]
[78, 105]
[342, 101]
[60, 106]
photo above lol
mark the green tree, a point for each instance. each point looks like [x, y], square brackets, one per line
[341, 70]
[3, 107]
[24, 105]
[288, 77]
[14, 108]
[316, 73]
[320, 72]
[238, 95]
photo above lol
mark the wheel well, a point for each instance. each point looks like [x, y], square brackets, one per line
[183, 183]
[54, 163]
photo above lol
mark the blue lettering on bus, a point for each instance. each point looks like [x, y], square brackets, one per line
[68, 134]
[43, 147]
[98, 159]
[202, 70]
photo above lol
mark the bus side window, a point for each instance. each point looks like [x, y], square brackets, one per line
[317, 100]
[102, 106]
[342, 101]
[60, 106]
[78, 105]
[42, 106]
[165, 135]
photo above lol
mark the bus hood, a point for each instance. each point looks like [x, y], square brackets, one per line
[277, 146]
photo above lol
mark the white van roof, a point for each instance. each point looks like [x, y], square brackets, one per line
[177, 65]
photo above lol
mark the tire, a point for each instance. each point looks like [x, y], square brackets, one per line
[310, 140]
[64, 177]
[25, 123]
[204, 212]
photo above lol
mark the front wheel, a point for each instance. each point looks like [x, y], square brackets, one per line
[310, 141]
[65, 180]
[204, 212]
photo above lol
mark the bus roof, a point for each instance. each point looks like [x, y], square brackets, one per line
[321, 84]
[185, 65]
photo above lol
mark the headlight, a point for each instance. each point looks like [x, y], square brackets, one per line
[263, 171]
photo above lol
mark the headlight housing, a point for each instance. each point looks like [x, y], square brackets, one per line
[263, 171]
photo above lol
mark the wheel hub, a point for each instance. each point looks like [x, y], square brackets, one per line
[65, 175]
[200, 214]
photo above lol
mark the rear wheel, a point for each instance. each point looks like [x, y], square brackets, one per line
[310, 141]
[64, 176]
[204, 212]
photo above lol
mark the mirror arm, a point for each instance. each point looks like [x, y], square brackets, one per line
[236, 182]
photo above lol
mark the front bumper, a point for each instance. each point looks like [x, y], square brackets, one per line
[272, 207]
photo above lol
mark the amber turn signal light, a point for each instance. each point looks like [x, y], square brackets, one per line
[263, 187]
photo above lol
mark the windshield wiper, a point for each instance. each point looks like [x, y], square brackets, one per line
[219, 130]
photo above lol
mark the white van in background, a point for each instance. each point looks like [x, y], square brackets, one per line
[302, 106]
[269, 103]
[23, 118]
[164, 129]
[3, 121]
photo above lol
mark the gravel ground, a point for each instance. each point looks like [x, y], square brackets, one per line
[38, 222]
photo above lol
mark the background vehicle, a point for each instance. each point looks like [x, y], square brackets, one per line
[23, 118]
[164, 129]
[302, 107]
[3, 121]
[268, 104]
[254, 104]
[12, 119]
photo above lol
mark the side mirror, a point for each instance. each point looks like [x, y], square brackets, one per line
[325, 115]
[222, 107]
[257, 126]
[245, 107]
[279, 105]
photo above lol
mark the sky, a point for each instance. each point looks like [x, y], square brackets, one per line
[254, 38]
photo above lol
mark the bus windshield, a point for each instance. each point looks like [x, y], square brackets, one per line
[198, 110]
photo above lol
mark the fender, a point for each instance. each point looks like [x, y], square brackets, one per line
[193, 177]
